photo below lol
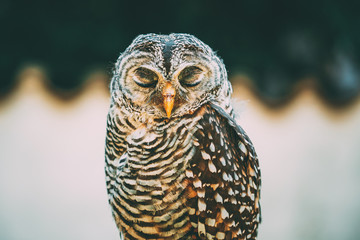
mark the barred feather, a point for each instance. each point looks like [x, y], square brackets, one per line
[195, 177]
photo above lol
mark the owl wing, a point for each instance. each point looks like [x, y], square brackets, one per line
[226, 178]
[115, 148]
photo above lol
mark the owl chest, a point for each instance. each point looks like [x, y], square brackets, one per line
[156, 163]
[152, 184]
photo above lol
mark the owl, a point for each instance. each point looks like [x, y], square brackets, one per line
[177, 164]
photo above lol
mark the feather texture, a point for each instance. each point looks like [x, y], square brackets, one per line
[194, 175]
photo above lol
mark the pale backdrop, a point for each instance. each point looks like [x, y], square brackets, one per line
[52, 157]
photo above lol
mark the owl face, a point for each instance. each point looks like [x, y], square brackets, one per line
[167, 76]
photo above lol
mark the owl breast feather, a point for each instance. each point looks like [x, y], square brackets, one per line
[193, 176]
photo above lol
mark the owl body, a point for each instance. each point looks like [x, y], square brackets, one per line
[178, 166]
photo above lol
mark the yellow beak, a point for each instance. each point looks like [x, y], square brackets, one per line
[169, 98]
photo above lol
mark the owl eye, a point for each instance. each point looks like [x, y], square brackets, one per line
[190, 76]
[144, 77]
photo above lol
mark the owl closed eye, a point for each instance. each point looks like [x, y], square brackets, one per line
[191, 76]
[145, 78]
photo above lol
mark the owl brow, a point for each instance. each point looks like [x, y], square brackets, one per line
[192, 48]
[144, 47]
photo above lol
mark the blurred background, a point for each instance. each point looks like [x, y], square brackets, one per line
[294, 66]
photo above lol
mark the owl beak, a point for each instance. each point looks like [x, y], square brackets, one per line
[169, 98]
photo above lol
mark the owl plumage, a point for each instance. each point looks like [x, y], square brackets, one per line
[178, 166]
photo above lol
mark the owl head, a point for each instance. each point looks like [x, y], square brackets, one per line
[168, 76]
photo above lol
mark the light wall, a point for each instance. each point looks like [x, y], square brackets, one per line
[52, 159]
